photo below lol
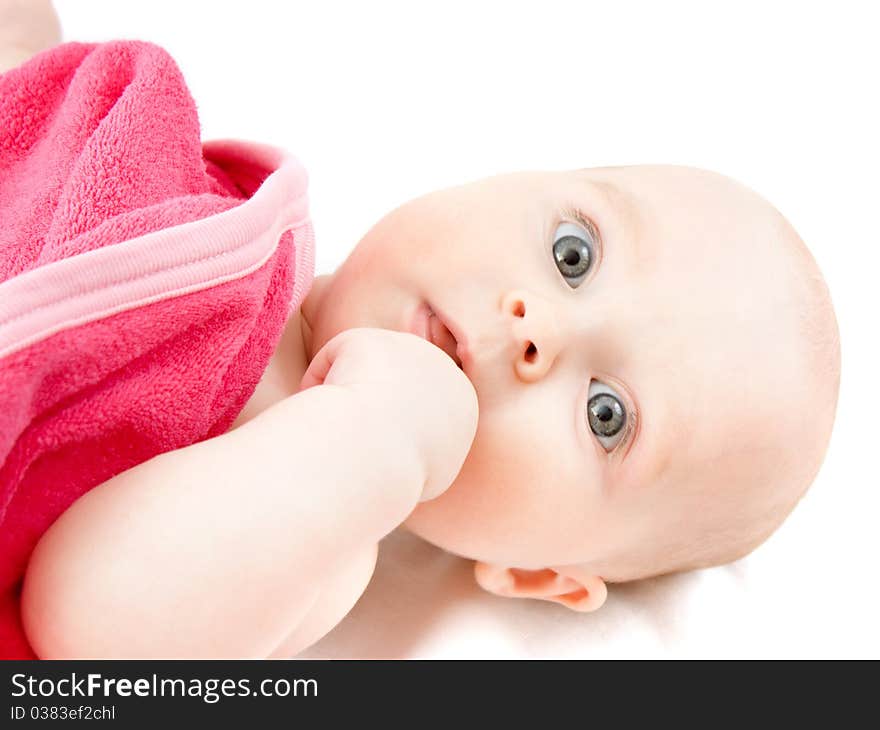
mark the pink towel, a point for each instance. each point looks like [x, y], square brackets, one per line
[145, 280]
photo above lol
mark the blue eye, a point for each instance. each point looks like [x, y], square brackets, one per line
[574, 251]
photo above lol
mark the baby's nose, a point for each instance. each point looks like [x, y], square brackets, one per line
[535, 332]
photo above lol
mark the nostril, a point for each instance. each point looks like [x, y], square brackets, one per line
[531, 352]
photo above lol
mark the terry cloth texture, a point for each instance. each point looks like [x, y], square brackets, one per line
[145, 279]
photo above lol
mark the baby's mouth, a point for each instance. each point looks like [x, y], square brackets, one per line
[439, 334]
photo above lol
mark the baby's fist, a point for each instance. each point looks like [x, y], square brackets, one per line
[409, 387]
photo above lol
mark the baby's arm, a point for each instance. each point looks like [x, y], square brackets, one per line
[218, 549]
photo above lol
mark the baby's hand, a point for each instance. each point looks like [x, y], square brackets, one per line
[408, 382]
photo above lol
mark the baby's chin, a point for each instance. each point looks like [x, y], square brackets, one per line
[424, 522]
[448, 535]
[421, 524]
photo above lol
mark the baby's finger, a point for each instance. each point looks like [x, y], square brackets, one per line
[321, 363]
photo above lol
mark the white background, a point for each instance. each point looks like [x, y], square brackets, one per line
[384, 101]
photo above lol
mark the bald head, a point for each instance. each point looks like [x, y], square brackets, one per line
[759, 346]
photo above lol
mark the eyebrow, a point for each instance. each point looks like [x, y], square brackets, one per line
[626, 213]
[629, 221]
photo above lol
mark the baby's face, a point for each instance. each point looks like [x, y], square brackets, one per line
[633, 347]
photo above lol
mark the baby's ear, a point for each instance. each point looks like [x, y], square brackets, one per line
[568, 585]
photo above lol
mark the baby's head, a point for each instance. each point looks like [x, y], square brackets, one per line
[656, 361]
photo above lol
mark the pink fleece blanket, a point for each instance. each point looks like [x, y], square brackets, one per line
[145, 280]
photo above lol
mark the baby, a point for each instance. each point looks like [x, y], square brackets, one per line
[571, 378]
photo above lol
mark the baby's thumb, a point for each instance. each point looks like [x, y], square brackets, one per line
[450, 451]
[318, 369]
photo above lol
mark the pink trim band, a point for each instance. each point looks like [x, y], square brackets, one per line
[165, 263]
